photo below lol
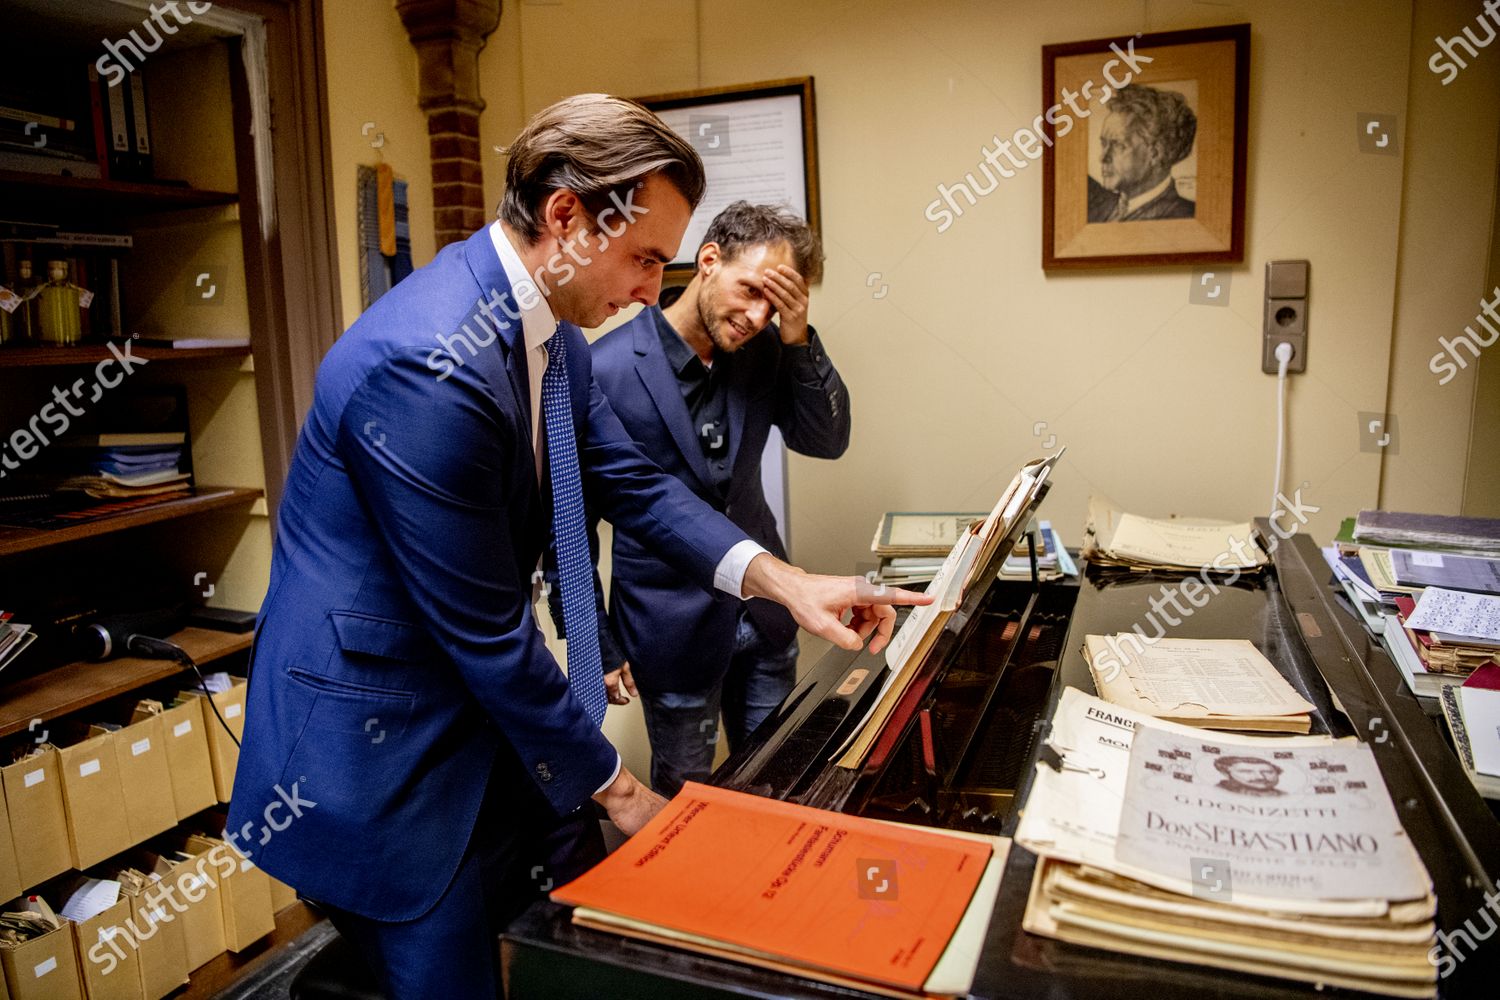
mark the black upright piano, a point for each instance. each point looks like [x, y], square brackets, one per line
[961, 750]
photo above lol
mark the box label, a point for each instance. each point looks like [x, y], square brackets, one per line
[182, 728]
[140, 746]
[88, 767]
[231, 711]
[35, 777]
[43, 968]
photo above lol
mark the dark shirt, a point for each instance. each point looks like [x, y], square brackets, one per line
[705, 389]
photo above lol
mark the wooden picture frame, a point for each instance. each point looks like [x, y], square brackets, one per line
[765, 116]
[1156, 176]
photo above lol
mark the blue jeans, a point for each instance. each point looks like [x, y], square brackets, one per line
[684, 726]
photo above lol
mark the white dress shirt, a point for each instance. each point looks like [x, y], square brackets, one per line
[537, 327]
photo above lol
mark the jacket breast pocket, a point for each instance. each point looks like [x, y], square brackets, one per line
[335, 705]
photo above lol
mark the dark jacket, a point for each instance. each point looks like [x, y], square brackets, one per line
[677, 635]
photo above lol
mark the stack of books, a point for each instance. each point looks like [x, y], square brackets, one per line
[1274, 856]
[125, 465]
[1113, 537]
[1428, 587]
[911, 545]
[1472, 711]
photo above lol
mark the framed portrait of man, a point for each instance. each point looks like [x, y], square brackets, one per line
[1144, 149]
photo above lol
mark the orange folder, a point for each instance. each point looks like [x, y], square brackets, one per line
[818, 889]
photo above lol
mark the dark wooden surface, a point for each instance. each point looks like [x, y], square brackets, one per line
[88, 354]
[208, 498]
[78, 685]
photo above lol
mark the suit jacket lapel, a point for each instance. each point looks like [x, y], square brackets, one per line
[479, 251]
[661, 383]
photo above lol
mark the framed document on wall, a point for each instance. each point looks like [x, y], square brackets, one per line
[758, 143]
[1144, 149]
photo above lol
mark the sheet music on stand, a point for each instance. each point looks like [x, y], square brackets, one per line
[984, 545]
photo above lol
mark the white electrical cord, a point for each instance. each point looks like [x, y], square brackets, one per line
[1283, 358]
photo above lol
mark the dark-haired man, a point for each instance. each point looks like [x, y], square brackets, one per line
[401, 690]
[699, 383]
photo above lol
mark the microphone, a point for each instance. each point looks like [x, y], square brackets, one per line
[139, 633]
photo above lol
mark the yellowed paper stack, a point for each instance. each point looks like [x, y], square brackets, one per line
[1210, 683]
[1275, 856]
[1113, 537]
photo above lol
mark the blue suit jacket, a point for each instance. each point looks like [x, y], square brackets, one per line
[397, 659]
[677, 635]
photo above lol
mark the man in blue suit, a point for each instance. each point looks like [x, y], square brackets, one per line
[698, 384]
[427, 764]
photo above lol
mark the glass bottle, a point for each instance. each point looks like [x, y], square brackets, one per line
[23, 320]
[58, 309]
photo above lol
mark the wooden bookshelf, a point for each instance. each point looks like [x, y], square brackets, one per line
[207, 498]
[87, 195]
[78, 685]
[89, 354]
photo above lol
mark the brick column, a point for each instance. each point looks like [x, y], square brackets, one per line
[448, 35]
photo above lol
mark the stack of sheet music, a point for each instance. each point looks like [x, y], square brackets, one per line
[879, 907]
[1435, 604]
[1116, 538]
[1277, 856]
[1208, 683]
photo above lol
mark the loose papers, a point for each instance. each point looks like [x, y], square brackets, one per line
[1214, 683]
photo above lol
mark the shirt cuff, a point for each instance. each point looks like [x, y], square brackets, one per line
[729, 575]
[613, 776]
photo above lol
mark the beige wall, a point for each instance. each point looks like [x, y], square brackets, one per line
[1447, 221]
[1161, 403]
[372, 77]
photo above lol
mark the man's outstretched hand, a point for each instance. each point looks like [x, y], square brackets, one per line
[819, 603]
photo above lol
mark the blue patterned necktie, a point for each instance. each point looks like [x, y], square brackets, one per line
[575, 567]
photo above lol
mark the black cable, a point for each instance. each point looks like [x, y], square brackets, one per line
[148, 646]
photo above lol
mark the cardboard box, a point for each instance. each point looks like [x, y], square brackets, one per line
[94, 800]
[223, 752]
[244, 892]
[38, 821]
[145, 779]
[157, 931]
[44, 968]
[185, 732]
[10, 869]
[107, 957]
[195, 898]
[282, 895]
